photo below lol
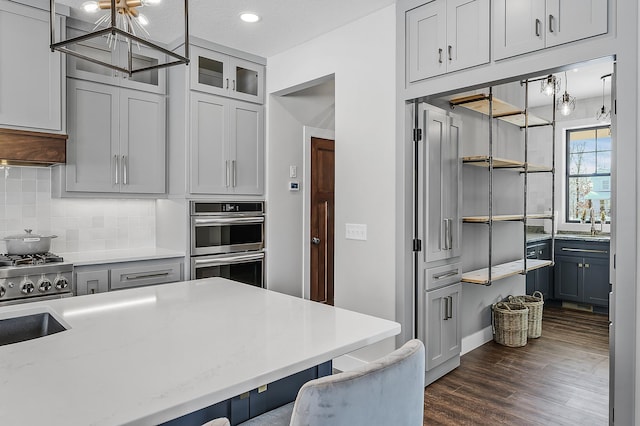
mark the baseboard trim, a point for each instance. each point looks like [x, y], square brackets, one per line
[348, 363]
[476, 340]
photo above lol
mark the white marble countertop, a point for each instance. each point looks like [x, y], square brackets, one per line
[150, 354]
[121, 255]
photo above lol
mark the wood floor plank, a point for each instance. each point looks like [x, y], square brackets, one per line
[561, 378]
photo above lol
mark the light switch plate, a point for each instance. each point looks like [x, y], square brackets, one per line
[293, 171]
[356, 231]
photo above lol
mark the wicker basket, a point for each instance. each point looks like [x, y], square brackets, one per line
[535, 303]
[510, 324]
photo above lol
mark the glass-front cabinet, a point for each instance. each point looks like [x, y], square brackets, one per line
[100, 48]
[225, 75]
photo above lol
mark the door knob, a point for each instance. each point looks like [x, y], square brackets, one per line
[315, 240]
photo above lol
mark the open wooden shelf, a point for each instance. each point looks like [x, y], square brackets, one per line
[498, 272]
[505, 218]
[503, 163]
[501, 110]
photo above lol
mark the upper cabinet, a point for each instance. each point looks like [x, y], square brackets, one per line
[225, 75]
[444, 36]
[227, 146]
[141, 56]
[116, 139]
[521, 26]
[31, 81]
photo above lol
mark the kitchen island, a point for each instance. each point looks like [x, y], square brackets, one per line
[152, 354]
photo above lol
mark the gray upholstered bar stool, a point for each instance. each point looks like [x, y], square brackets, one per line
[389, 391]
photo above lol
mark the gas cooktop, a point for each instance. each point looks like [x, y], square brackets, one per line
[29, 259]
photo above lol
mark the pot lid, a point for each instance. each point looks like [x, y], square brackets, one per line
[27, 235]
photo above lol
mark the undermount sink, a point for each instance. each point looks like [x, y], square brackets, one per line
[27, 327]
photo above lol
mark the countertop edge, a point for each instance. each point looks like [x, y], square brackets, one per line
[100, 257]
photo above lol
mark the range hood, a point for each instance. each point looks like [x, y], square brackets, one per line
[23, 148]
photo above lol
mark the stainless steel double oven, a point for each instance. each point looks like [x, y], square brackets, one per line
[227, 240]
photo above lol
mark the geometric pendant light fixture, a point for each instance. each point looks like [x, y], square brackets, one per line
[567, 103]
[550, 85]
[603, 113]
[121, 26]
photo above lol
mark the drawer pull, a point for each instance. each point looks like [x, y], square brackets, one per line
[144, 276]
[446, 275]
[584, 250]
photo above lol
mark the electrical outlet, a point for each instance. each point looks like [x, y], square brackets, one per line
[356, 231]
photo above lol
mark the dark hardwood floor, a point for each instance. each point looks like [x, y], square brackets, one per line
[561, 378]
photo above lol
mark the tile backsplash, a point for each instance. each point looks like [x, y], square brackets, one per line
[81, 224]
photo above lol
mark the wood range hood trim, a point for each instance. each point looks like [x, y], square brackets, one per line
[25, 148]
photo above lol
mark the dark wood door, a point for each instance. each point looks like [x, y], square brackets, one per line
[322, 219]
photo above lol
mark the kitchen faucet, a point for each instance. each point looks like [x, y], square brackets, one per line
[593, 223]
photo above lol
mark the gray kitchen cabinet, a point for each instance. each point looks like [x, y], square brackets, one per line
[540, 279]
[443, 326]
[91, 281]
[32, 84]
[522, 26]
[225, 75]
[227, 146]
[116, 139]
[582, 272]
[439, 180]
[446, 35]
[141, 56]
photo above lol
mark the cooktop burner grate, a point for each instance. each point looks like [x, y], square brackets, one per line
[29, 259]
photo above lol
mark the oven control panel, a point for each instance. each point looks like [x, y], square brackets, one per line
[18, 284]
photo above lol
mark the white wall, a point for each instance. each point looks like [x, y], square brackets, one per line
[361, 56]
[80, 224]
[315, 107]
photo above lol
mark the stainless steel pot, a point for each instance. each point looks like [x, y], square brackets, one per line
[28, 243]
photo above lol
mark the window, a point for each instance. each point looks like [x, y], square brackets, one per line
[588, 174]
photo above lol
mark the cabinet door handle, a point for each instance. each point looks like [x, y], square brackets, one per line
[234, 85]
[579, 265]
[449, 48]
[584, 250]
[234, 173]
[446, 308]
[227, 84]
[450, 298]
[226, 175]
[450, 234]
[538, 24]
[439, 56]
[446, 275]
[586, 265]
[551, 23]
[445, 234]
[116, 166]
[125, 170]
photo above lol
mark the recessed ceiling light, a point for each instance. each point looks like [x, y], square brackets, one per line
[90, 6]
[249, 17]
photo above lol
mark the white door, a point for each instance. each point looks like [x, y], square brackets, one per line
[467, 33]
[451, 194]
[31, 85]
[93, 156]
[518, 27]
[142, 142]
[246, 147]
[570, 20]
[426, 44]
[210, 171]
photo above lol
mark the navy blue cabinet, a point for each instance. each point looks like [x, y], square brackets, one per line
[582, 272]
[540, 279]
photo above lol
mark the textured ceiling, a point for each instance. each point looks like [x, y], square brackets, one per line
[284, 23]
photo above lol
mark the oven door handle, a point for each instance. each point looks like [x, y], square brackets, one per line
[228, 220]
[225, 260]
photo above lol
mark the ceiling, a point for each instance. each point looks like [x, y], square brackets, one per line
[283, 25]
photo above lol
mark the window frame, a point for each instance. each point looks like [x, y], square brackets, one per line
[568, 175]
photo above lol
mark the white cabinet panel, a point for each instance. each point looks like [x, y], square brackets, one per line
[93, 146]
[116, 139]
[521, 26]
[30, 74]
[569, 20]
[210, 168]
[142, 142]
[443, 325]
[227, 146]
[439, 181]
[467, 33]
[444, 36]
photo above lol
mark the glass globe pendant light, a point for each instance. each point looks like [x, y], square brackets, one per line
[550, 85]
[567, 103]
[603, 114]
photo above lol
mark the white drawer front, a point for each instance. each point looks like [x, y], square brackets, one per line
[141, 275]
